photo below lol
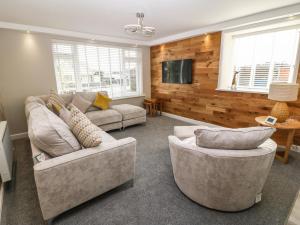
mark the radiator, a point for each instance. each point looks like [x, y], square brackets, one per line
[6, 153]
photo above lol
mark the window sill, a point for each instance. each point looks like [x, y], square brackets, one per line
[244, 91]
[127, 97]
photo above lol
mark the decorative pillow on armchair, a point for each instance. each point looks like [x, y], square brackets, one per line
[227, 138]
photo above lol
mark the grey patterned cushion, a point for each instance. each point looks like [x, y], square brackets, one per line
[236, 139]
[88, 134]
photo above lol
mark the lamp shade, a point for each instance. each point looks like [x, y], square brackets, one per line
[283, 92]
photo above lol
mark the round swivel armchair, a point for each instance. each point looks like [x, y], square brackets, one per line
[226, 180]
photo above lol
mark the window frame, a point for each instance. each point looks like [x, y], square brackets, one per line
[139, 67]
[227, 56]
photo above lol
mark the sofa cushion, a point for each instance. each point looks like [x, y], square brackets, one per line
[129, 111]
[183, 132]
[54, 98]
[49, 133]
[87, 133]
[81, 103]
[101, 101]
[66, 97]
[101, 117]
[236, 139]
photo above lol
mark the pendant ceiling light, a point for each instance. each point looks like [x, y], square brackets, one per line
[139, 28]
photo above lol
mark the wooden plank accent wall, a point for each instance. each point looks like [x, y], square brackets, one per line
[200, 100]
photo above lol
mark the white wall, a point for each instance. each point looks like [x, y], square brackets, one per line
[26, 68]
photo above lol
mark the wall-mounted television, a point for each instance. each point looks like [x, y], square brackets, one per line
[177, 71]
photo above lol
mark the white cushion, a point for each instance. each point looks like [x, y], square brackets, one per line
[49, 133]
[183, 132]
[129, 111]
[105, 137]
[227, 138]
[101, 117]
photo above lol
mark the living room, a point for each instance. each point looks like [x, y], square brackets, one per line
[149, 112]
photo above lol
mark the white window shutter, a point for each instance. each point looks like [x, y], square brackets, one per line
[83, 67]
[264, 58]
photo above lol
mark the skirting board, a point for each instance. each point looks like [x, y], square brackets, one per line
[19, 136]
[295, 148]
[188, 120]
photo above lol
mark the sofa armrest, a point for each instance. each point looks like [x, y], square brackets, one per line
[69, 180]
[81, 154]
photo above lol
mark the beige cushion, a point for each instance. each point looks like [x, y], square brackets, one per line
[88, 134]
[227, 138]
[90, 96]
[66, 97]
[183, 132]
[101, 117]
[54, 98]
[49, 133]
[81, 103]
[129, 111]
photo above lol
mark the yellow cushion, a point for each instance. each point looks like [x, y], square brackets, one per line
[101, 101]
[56, 108]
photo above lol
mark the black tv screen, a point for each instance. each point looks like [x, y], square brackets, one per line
[177, 71]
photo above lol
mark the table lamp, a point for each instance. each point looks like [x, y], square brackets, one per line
[282, 93]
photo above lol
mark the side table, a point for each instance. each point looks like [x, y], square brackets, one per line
[289, 126]
[153, 105]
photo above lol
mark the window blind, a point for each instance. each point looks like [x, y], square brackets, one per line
[83, 67]
[264, 58]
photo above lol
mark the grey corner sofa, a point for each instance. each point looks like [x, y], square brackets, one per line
[226, 180]
[69, 180]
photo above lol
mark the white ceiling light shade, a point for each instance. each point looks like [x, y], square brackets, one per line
[139, 28]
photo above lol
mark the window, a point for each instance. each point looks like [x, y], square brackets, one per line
[82, 67]
[260, 59]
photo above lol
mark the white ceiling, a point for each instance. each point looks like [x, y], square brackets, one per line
[108, 17]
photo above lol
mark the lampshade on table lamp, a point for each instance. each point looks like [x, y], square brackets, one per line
[282, 93]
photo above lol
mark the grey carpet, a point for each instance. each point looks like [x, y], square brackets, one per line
[155, 198]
